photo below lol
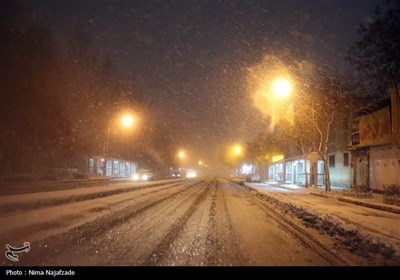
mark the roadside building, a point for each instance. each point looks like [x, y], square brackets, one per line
[375, 150]
[111, 167]
[338, 154]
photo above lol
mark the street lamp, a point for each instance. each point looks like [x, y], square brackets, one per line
[237, 150]
[125, 121]
[181, 154]
[282, 88]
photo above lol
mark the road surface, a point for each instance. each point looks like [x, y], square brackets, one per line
[203, 222]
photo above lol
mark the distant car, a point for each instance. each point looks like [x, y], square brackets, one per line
[176, 174]
[143, 175]
[253, 178]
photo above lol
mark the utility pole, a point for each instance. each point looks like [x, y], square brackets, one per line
[105, 151]
[105, 148]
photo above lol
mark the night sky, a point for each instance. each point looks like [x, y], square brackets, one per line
[189, 58]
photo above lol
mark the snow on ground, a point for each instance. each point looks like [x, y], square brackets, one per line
[46, 198]
[208, 222]
[64, 208]
[363, 230]
[372, 235]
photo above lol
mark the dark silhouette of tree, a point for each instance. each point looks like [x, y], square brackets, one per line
[96, 94]
[31, 124]
[376, 56]
[55, 105]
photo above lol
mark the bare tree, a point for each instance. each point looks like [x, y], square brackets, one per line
[326, 101]
[317, 105]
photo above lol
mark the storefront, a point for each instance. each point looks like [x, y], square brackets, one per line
[100, 166]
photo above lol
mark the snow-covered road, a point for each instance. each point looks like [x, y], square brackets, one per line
[193, 222]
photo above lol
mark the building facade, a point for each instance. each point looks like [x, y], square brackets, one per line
[111, 167]
[375, 149]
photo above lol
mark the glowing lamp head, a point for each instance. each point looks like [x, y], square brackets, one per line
[282, 88]
[237, 150]
[181, 154]
[127, 121]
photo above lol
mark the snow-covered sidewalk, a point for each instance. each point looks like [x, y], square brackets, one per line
[375, 201]
[351, 213]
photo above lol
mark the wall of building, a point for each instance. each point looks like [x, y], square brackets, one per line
[99, 166]
[384, 166]
[276, 172]
[289, 172]
[340, 173]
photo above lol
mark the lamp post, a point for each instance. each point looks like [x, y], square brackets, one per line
[126, 121]
[105, 149]
[181, 157]
[235, 154]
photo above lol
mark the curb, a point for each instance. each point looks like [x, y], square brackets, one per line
[370, 205]
[386, 208]
[361, 203]
[322, 195]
